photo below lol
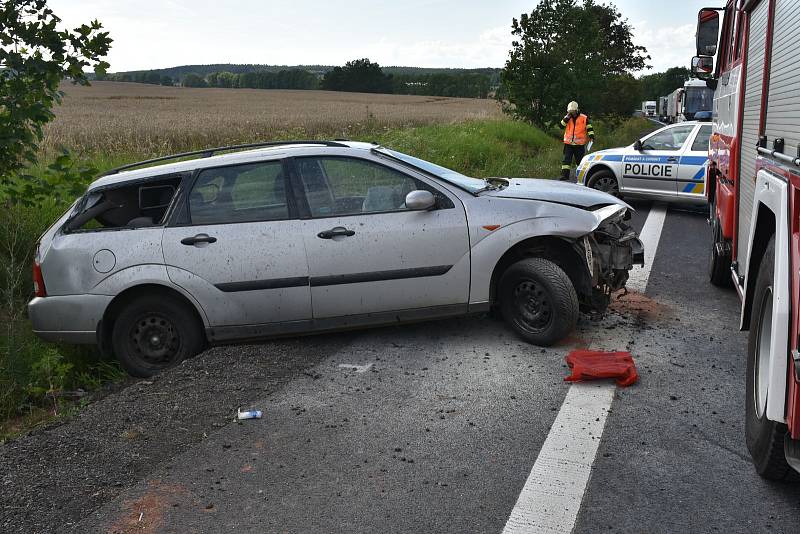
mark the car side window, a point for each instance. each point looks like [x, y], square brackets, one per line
[700, 143]
[239, 193]
[339, 186]
[668, 139]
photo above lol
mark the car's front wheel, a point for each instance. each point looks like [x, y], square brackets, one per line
[604, 181]
[764, 437]
[538, 300]
[155, 333]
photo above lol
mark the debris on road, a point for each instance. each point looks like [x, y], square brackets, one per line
[250, 414]
[597, 365]
[356, 368]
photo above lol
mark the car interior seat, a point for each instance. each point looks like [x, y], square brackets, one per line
[141, 222]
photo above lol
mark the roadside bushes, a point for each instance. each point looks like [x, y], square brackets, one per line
[480, 148]
[485, 148]
[34, 374]
[612, 133]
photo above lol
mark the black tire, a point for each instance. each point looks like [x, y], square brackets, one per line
[538, 301]
[764, 437]
[155, 333]
[719, 267]
[604, 181]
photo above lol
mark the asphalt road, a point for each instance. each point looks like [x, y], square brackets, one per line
[431, 427]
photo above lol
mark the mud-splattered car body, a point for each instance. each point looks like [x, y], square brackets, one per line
[307, 237]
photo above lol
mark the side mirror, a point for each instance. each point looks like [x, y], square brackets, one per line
[707, 32]
[703, 67]
[637, 146]
[420, 200]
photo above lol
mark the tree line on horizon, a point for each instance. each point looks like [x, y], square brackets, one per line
[360, 75]
[623, 92]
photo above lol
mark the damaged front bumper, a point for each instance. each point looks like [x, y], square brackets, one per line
[611, 250]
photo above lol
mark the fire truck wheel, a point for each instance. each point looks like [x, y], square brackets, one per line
[764, 437]
[719, 267]
[605, 181]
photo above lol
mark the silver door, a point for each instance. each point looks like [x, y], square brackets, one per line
[654, 169]
[240, 250]
[367, 252]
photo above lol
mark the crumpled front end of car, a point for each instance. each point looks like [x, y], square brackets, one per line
[611, 251]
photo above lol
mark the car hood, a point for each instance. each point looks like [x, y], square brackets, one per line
[555, 191]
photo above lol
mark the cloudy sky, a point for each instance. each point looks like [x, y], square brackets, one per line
[424, 33]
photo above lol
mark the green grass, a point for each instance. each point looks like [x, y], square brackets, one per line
[34, 375]
[612, 134]
[481, 148]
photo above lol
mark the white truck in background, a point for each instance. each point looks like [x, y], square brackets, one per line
[685, 102]
[649, 108]
[662, 109]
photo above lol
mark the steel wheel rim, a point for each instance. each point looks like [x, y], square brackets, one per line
[534, 311]
[761, 367]
[606, 184]
[154, 339]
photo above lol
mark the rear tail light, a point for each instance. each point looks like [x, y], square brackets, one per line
[38, 279]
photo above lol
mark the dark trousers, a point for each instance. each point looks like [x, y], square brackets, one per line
[570, 152]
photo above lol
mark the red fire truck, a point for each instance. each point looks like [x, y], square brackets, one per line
[753, 188]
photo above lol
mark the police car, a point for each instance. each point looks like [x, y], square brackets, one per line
[668, 164]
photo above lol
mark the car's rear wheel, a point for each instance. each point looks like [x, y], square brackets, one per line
[155, 333]
[604, 181]
[764, 437]
[539, 301]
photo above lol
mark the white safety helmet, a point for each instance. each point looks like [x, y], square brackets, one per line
[572, 106]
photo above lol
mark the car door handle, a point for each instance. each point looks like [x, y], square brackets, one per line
[672, 159]
[335, 232]
[199, 238]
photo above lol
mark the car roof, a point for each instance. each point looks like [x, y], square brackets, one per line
[234, 158]
[683, 124]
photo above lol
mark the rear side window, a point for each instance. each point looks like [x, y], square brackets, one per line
[701, 141]
[240, 193]
[136, 205]
[339, 186]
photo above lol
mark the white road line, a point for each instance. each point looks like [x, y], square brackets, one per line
[551, 498]
[650, 235]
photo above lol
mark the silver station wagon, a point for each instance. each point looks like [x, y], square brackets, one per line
[162, 258]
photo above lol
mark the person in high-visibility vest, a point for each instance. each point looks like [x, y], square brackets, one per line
[578, 132]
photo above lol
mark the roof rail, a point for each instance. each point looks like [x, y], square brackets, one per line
[211, 151]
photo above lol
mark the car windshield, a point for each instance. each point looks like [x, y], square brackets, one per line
[473, 185]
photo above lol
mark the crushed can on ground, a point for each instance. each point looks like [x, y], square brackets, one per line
[249, 414]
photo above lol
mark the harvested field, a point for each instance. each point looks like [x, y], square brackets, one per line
[138, 119]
